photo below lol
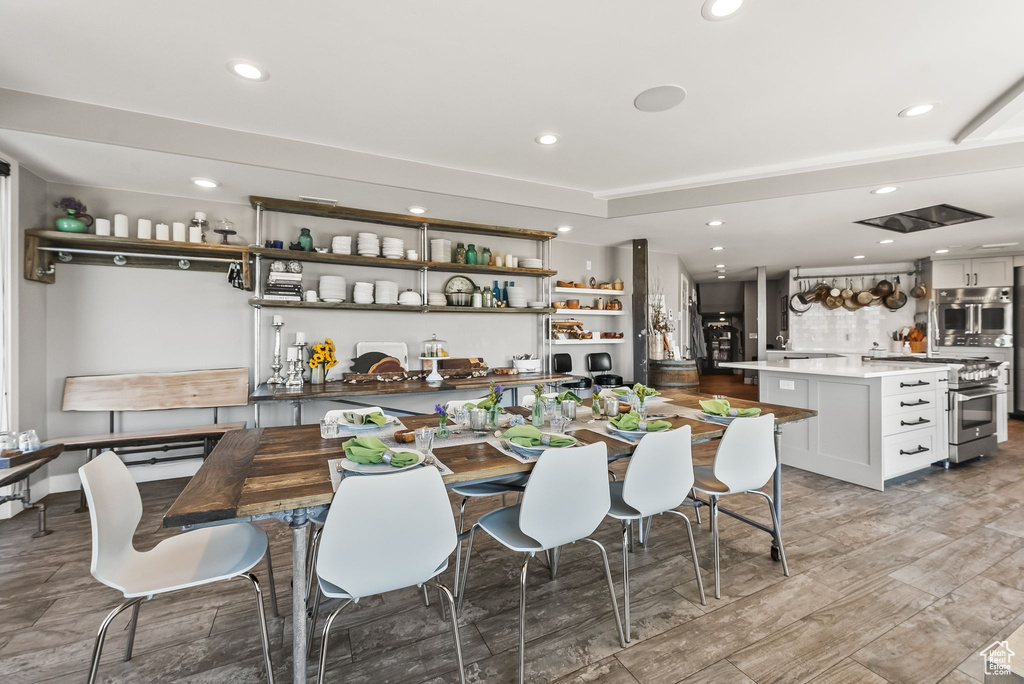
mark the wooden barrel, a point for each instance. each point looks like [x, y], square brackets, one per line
[679, 373]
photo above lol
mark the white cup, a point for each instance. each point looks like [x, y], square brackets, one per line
[311, 295]
[412, 255]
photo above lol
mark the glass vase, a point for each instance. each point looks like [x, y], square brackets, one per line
[319, 374]
[537, 415]
[442, 431]
[492, 417]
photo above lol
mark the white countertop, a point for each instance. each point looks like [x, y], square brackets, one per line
[837, 366]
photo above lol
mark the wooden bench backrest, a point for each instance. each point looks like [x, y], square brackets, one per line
[157, 391]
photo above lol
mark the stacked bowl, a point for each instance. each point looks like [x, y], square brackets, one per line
[385, 292]
[441, 250]
[394, 248]
[368, 245]
[332, 288]
[531, 263]
[362, 293]
[341, 244]
[436, 299]
[517, 297]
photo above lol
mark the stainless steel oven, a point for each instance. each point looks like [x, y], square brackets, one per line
[975, 317]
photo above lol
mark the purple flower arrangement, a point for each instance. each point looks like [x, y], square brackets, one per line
[70, 204]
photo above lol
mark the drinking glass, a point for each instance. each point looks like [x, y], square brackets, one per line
[462, 415]
[424, 439]
[611, 406]
[557, 423]
[28, 440]
[8, 440]
[569, 410]
[478, 420]
[642, 411]
[329, 429]
[549, 406]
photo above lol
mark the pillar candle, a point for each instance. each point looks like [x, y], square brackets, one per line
[195, 234]
[200, 215]
[120, 225]
[300, 338]
[102, 226]
[293, 354]
[278, 320]
[163, 231]
[145, 229]
[178, 231]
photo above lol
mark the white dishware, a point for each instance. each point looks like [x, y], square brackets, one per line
[540, 448]
[381, 468]
[441, 250]
[412, 255]
[103, 226]
[145, 231]
[178, 233]
[410, 298]
[310, 295]
[120, 225]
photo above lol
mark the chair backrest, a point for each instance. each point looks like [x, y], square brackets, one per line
[157, 391]
[567, 495]
[660, 472]
[455, 404]
[562, 363]
[528, 400]
[115, 509]
[746, 455]
[601, 361]
[386, 532]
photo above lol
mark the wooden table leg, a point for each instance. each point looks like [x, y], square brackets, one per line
[299, 635]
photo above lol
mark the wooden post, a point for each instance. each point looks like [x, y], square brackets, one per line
[640, 337]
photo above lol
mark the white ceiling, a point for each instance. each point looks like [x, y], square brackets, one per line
[781, 88]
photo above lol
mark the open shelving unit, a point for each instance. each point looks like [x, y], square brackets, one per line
[576, 292]
[573, 313]
[352, 306]
[589, 291]
[559, 343]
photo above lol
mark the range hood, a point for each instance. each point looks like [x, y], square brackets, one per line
[926, 218]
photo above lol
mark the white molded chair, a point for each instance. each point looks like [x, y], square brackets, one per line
[384, 533]
[658, 480]
[565, 501]
[454, 405]
[744, 463]
[189, 559]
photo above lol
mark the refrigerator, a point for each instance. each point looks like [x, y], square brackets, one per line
[1018, 340]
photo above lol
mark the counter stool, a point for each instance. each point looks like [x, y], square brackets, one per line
[602, 363]
[744, 463]
[561, 364]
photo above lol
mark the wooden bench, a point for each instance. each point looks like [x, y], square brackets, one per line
[212, 389]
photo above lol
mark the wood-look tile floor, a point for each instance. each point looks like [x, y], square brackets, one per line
[906, 585]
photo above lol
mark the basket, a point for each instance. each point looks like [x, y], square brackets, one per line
[919, 346]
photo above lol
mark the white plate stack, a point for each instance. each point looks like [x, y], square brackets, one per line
[332, 288]
[341, 244]
[393, 248]
[362, 293]
[385, 292]
[517, 297]
[409, 298]
[436, 299]
[368, 245]
[441, 250]
[531, 263]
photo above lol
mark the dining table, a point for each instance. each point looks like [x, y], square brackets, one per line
[283, 473]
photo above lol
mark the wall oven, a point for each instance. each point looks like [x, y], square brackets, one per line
[975, 317]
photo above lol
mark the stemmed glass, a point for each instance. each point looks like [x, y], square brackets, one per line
[425, 440]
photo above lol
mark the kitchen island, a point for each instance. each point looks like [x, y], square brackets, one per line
[876, 420]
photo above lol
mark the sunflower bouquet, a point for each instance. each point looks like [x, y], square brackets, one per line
[323, 354]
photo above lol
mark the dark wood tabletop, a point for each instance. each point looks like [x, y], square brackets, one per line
[340, 390]
[269, 470]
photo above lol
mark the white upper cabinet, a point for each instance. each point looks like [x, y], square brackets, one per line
[982, 272]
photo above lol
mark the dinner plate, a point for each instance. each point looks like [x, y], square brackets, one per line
[379, 468]
[634, 434]
[538, 450]
[724, 420]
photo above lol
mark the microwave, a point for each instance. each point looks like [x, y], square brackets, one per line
[975, 317]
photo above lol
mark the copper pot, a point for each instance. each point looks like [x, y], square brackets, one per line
[896, 300]
[919, 290]
[883, 289]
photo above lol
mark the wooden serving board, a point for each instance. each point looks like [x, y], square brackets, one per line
[12, 457]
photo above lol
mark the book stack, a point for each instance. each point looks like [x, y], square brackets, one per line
[283, 286]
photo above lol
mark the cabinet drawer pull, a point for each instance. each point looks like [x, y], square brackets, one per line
[919, 421]
[919, 402]
[919, 383]
[919, 450]
[793, 358]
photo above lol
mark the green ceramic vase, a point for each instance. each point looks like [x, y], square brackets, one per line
[74, 222]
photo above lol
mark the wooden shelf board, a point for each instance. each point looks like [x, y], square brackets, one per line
[381, 262]
[588, 291]
[448, 267]
[598, 341]
[56, 238]
[399, 220]
[572, 313]
[470, 309]
[352, 306]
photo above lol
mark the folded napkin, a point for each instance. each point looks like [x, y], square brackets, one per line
[529, 436]
[367, 450]
[568, 395]
[624, 391]
[356, 418]
[631, 421]
[720, 407]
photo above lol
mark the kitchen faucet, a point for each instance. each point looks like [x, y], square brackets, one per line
[782, 339]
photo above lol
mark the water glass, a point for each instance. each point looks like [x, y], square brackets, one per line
[569, 410]
[478, 420]
[329, 429]
[462, 415]
[611, 406]
[424, 439]
[28, 441]
[642, 411]
[549, 405]
[558, 423]
[8, 440]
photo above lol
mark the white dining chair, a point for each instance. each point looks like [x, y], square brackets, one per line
[744, 463]
[453, 405]
[658, 480]
[384, 533]
[565, 501]
[190, 559]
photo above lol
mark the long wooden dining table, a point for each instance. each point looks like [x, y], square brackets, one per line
[282, 473]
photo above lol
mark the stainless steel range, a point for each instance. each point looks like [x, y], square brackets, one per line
[974, 385]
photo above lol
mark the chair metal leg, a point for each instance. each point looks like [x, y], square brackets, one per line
[426, 597]
[555, 552]
[97, 648]
[629, 532]
[465, 569]
[522, 619]
[696, 509]
[776, 532]
[693, 552]
[440, 605]
[273, 586]
[263, 625]
[447, 596]
[323, 642]
[458, 548]
[713, 515]
[611, 589]
[132, 624]
[312, 613]
[647, 532]
[625, 575]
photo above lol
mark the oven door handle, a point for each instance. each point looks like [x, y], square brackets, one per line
[969, 395]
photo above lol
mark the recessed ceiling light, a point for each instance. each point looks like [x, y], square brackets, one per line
[715, 223]
[716, 10]
[721, 313]
[247, 70]
[205, 182]
[886, 242]
[717, 249]
[941, 251]
[547, 139]
[417, 210]
[918, 110]
[859, 256]
[719, 265]
[996, 245]
[564, 229]
[885, 190]
[721, 277]
[660, 98]
[721, 319]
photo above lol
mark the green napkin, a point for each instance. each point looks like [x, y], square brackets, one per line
[367, 450]
[624, 391]
[529, 436]
[355, 418]
[485, 404]
[631, 421]
[568, 395]
[720, 407]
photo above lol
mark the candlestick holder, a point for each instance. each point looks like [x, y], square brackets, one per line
[294, 374]
[303, 358]
[276, 366]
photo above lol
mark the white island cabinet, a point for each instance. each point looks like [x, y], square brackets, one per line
[876, 421]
